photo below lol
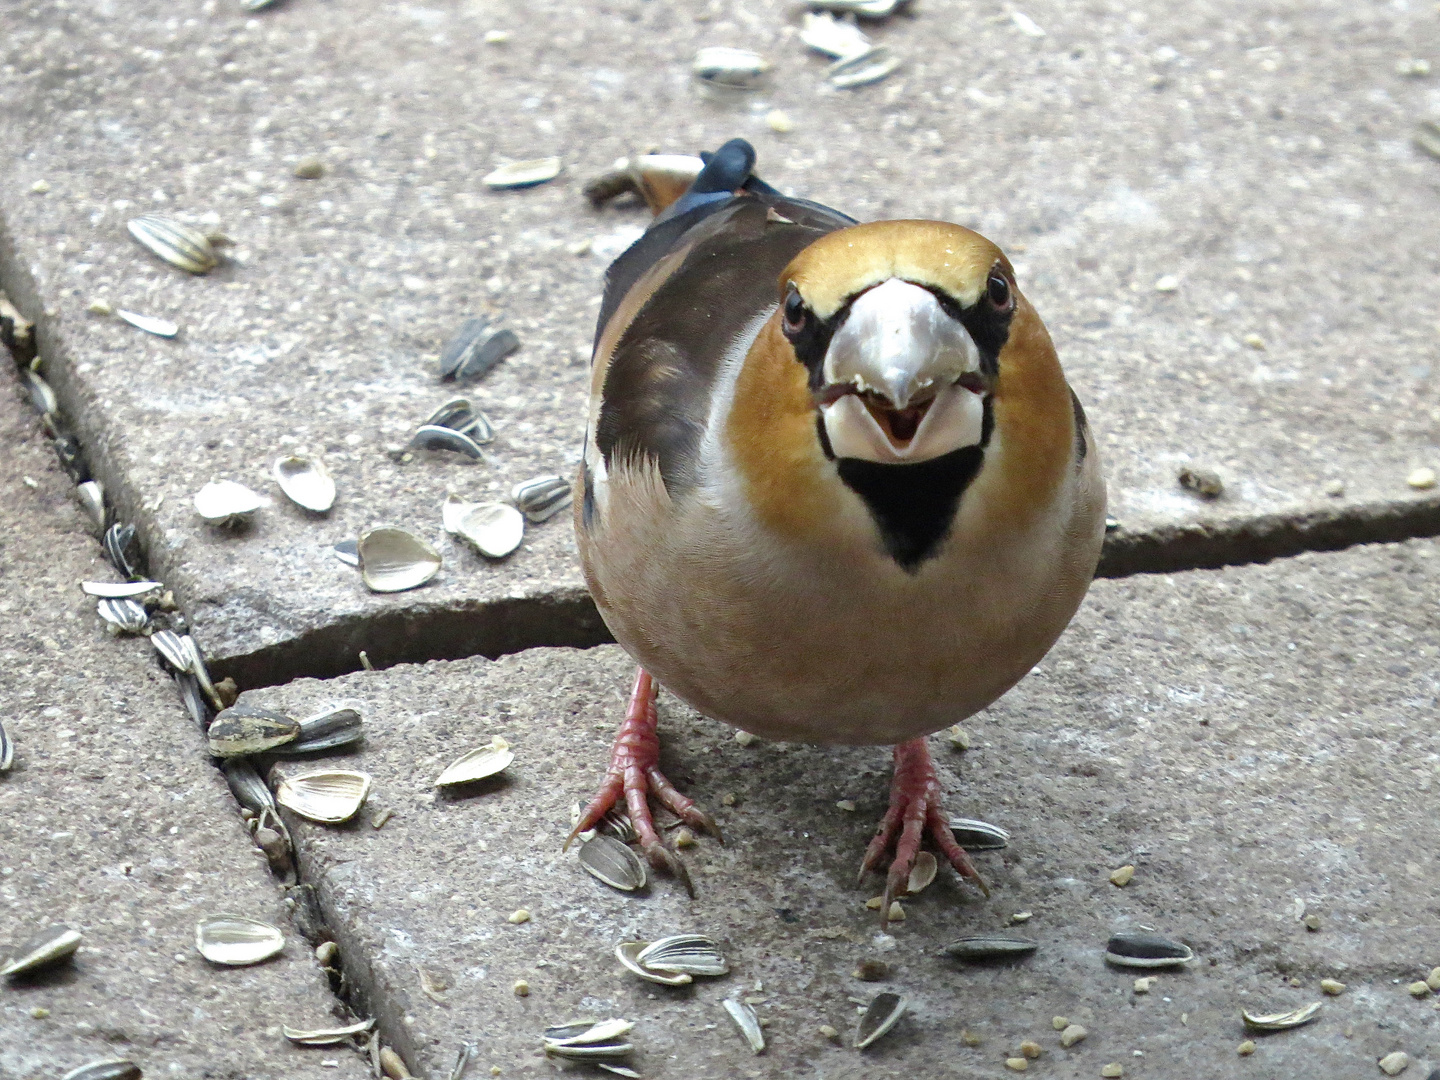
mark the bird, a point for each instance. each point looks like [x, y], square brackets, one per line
[835, 489]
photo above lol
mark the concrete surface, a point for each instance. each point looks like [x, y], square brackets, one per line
[113, 822]
[1252, 740]
[1258, 153]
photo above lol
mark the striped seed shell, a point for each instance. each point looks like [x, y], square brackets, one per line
[178, 244]
[523, 174]
[880, 1016]
[1142, 950]
[171, 648]
[196, 666]
[1280, 1021]
[326, 1036]
[7, 750]
[328, 730]
[193, 698]
[974, 835]
[455, 412]
[979, 948]
[587, 1032]
[868, 67]
[151, 324]
[435, 437]
[495, 756]
[91, 496]
[306, 482]
[735, 69]
[105, 1069]
[542, 497]
[247, 786]
[121, 549]
[118, 590]
[746, 1021]
[592, 1052]
[224, 502]
[618, 1070]
[244, 729]
[393, 560]
[493, 529]
[237, 941]
[474, 350]
[127, 615]
[627, 952]
[329, 796]
[50, 946]
[459, 348]
[689, 954]
[827, 34]
[612, 862]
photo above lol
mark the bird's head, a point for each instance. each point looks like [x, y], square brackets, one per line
[900, 325]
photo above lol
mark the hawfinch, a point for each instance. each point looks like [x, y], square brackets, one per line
[835, 488]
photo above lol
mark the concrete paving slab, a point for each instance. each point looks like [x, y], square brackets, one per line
[1257, 742]
[112, 822]
[1258, 156]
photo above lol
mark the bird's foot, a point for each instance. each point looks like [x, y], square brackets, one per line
[915, 811]
[634, 776]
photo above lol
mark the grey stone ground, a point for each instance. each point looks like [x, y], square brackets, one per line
[113, 822]
[1260, 154]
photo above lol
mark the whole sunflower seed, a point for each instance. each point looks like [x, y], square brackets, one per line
[974, 835]
[151, 324]
[245, 729]
[434, 437]
[121, 549]
[328, 730]
[50, 946]
[746, 1021]
[178, 244]
[118, 590]
[689, 954]
[627, 951]
[237, 941]
[880, 1016]
[523, 174]
[247, 786]
[7, 750]
[127, 615]
[542, 497]
[1281, 1021]
[612, 862]
[326, 1036]
[106, 1069]
[1142, 950]
[91, 496]
[979, 948]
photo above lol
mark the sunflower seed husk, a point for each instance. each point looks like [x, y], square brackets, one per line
[7, 750]
[434, 437]
[328, 730]
[326, 1036]
[1142, 950]
[348, 552]
[224, 502]
[244, 729]
[479, 763]
[862, 70]
[612, 862]
[172, 650]
[493, 529]
[127, 615]
[979, 948]
[393, 560]
[455, 412]
[690, 954]
[151, 324]
[118, 590]
[618, 1070]
[627, 951]
[475, 350]
[880, 1016]
[542, 497]
[732, 69]
[1281, 1021]
[193, 699]
[327, 796]
[974, 835]
[617, 823]
[746, 1021]
[235, 941]
[41, 396]
[247, 786]
[106, 1069]
[91, 496]
[178, 244]
[52, 945]
[523, 174]
[460, 347]
[922, 873]
[121, 548]
[593, 1052]
[827, 34]
[195, 664]
[586, 1032]
[306, 482]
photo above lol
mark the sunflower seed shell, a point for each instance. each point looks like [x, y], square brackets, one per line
[118, 590]
[327, 796]
[973, 835]
[523, 174]
[171, 649]
[980, 948]
[612, 862]
[91, 495]
[393, 560]
[542, 497]
[827, 34]
[922, 873]
[326, 1036]
[54, 944]
[434, 437]
[862, 70]
[477, 764]
[1281, 1021]
[121, 549]
[328, 730]
[746, 1021]
[41, 396]
[244, 729]
[880, 1016]
[735, 69]
[1143, 950]
[306, 482]
[587, 1032]
[689, 954]
[235, 941]
[127, 615]
[106, 1069]
[178, 244]
[151, 324]
[493, 529]
[627, 951]
[224, 502]
[348, 552]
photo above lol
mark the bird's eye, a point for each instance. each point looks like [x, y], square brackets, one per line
[794, 312]
[998, 290]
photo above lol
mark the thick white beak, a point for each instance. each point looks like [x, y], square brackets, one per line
[899, 359]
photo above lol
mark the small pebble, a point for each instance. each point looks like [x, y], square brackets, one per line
[971, 1038]
[744, 738]
[1333, 987]
[496, 37]
[1433, 980]
[1335, 489]
[829, 1032]
[1421, 479]
[377, 821]
[1246, 1048]
[1312, 922]
[1018, 1064]
[1394, 1064]
[684, 837]
[1072, 1035]
[1122, 876]
[1112, 1070]
[959, 738]
[1059, 1023]
[1419, 989]
[99, 307]
[1143, 985]
[1415, 68]
[727, 799]
[1294, 981]
[522, 988]
[871, 971]
[874, 903]
[518, 916]
[897, 913]
[1031, 1050]
[40, 187]
[1204, 482]
[1167, 283]
[39, 1012]
[310, 169]
[847, 805]
[779, 122]
[1255, 341]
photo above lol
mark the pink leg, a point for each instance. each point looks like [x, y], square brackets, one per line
[635, 775]
[914, 812]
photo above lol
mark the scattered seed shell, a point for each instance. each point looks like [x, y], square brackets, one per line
[348, 552]
[236, 941]
[245, 729]
[730, 69]
[118, 590]
[327, 796]
[690, 954]
[612, 862]
[973, 835]
[1280, 1021]
[980, 948]
[869, 67]
[180, 245]
[476, 350]
[880, 1016]
[121, 549]
[435, 437]
[922, 873]
[327, 730]
[50, 946]
[106, 1069]
[306, 482]
[326, 1036]
[41, 396]
[1140, 950]
[247, 786]
[627, 952]
[523, 174]
[91, 496]
[127, 615]
[542, 497]
[493, 529]
[827, 34]
[224, 502]
[458, 413]
[393, 560]
[172, 649]
[151, 324]
[747, 1022]
[477, 764]
[586, 1032]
